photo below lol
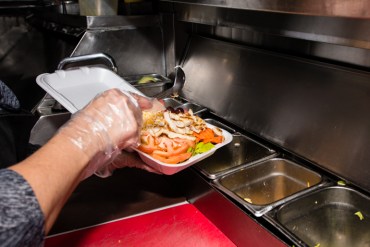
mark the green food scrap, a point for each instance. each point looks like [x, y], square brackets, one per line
[147, 79]
[317, 245]
[341, 182]
[359, 214]
[202, 147]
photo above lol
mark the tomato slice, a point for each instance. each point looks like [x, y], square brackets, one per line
[172, 159]
[173, 151]
[146, 148]
[149, 146]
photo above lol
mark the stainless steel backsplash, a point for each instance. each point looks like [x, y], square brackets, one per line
[316, 110]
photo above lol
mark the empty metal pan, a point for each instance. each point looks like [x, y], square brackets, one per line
[333, 216]
[170, 102]
[265, 185]
[194, 107]
[242, 151]
[219, 124]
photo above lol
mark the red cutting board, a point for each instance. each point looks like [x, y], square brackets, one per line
[181, 225]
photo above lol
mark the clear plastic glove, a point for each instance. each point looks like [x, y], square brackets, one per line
[128, 159]
[109, 123]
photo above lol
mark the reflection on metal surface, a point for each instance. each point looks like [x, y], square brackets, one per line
[169, 41]
[66, 8]
[315, 110]
[291, 45]
[46, 126]
[346, 8]
[122, 22]
[328, 217]
[128, 47]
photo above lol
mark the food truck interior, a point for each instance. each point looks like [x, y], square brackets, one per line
[288, 79]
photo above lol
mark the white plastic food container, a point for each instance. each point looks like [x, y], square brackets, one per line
[170, 169]
[75, 88]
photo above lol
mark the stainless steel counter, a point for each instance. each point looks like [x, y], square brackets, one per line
[130, 191]
[127, 192]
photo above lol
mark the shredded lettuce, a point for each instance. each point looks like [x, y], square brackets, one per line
[147, 79]
[359, 214]
[200, 148]
[341, 182]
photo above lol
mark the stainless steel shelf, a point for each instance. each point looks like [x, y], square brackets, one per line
[339, 8]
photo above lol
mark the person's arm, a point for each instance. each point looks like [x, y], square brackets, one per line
[21, 218]
[53, 173]
[90, 140]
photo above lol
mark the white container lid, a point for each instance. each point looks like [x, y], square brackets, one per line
[75, 88]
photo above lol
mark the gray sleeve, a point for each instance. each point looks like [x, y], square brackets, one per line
[21, 218]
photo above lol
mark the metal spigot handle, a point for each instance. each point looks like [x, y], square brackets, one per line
[178, 84]
[179, 79]
[82, 58]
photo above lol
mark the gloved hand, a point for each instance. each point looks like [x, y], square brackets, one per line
[109, 123]
[126, 159]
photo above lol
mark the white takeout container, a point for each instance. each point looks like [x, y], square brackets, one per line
[170, 169]
[75, 88]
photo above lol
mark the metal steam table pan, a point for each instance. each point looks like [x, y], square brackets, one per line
[268, 184]
[332, 216]
[152, 88]
[176, 104]
[170, 102]
[241, 152]
[194, 107]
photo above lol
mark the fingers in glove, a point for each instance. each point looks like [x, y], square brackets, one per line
[148, 104]
[132, 159]
[109, 123]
